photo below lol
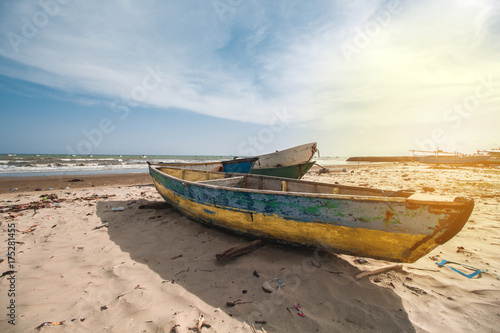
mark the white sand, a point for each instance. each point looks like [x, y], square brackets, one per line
[66, 270]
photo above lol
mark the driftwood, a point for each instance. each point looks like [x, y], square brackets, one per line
[201, 323]
[236, 302]
[239, 250]
[378, 271]
[101, 226]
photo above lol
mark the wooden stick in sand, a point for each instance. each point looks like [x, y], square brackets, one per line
[201, 323]
[378, 271]
[239, 250]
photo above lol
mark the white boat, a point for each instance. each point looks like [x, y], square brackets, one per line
[288, 157]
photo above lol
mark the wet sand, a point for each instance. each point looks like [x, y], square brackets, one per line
[26, 184]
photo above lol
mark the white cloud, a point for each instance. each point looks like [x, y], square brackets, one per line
[423, 59]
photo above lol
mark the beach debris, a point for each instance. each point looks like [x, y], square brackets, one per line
[428, 189]
[80, 319]
[51, 196]
[101, 226]
[239, 250]
[95, 197]
[48, 201]
[7, 273]
[76, 180]
[180, 272]
[361, 261]
[262, 322]
[132, 202]
[299, 310]
[268, 285]
[117, 208]
[175, 257]
[50, 323]
[256, 274]
[236, 302]
[461, 249]
[13, 189]
[104, 307]
[201, 323]
[121, 295]
[33, 227]
[416, 290]
[32, 205]
[323, 170]
[378, 271]
[477, 271]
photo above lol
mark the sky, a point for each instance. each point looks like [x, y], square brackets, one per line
[247, 77]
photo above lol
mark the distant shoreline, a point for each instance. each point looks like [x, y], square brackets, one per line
[382, 159]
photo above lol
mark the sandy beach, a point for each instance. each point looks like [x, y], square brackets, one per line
[107, 254]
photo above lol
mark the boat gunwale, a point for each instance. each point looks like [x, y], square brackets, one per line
[175, 164]
[384, 199]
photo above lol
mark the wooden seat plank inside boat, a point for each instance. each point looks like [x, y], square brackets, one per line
[192, 175]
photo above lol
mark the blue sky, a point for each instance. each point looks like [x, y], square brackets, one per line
[236, 77]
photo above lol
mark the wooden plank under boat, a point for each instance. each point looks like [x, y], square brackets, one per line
[397, 226]
[287, 157]
[237, 165]
[292, 171]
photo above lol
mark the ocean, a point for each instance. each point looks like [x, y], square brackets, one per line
[24, 165]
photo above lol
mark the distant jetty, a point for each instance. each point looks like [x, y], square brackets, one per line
[382, 159]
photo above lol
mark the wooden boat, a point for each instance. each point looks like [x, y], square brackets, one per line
[293, 171]
[398, 226]
[289, 163]
[238, 165]
[291, 156]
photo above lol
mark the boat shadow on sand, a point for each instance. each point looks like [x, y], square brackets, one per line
[182, 250]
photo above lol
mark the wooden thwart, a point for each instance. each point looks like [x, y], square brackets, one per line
[239, 250]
